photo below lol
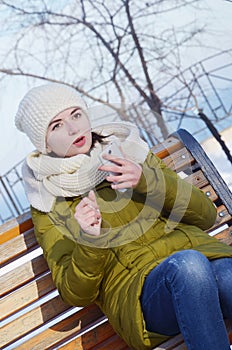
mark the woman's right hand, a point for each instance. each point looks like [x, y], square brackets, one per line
[88, 215]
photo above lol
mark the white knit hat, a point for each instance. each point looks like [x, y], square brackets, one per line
[40, 105]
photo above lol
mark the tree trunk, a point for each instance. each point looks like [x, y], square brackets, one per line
[155, 105]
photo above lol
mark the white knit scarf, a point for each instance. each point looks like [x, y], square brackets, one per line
[46, 177]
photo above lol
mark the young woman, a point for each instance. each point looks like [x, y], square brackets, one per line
[140, 254]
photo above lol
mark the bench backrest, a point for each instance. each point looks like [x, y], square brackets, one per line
[33, 315]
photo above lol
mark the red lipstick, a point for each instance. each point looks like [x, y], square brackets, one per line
[80, 141]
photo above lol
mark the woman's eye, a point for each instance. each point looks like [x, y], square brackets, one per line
[56, 126]
[76, 115]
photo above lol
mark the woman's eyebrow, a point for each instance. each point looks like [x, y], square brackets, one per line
[54, 121]
[75, 109]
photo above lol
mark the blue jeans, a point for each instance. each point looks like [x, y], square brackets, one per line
[187, 293]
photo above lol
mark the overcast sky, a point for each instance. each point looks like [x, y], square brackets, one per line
[14, 145]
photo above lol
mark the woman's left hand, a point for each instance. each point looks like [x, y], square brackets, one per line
[124, 173]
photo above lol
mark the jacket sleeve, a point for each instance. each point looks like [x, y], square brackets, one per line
[174, 197]
[77, 270]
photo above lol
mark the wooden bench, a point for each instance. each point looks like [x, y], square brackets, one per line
[33, 315]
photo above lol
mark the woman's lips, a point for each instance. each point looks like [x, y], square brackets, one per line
[79, 142]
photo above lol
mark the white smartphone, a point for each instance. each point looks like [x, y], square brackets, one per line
[112, 149]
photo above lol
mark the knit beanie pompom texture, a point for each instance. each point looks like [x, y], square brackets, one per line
[40, 105]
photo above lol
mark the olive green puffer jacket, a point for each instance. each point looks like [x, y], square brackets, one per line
[136, 236]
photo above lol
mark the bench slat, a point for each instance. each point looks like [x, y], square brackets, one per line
[22, 275]
[67, 328]
[103, 337]
[223, 216]
[209, 191]
[26, 295]
[197, 179]
[163, 149]
[179, 160]
[32, 320]
[225, 236]
[15, 227]
[17, 246]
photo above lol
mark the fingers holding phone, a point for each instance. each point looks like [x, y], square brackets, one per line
[123, 173]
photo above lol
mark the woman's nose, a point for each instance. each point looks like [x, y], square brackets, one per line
[72, 128]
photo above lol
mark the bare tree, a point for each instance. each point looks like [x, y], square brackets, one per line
[107, 50]
[197, 95]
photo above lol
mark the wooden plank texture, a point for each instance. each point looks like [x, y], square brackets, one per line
[179, 160]
[15, 227]
[223, 216]
[197, 179]
[26, 295]
[32, 320]
[225, 235]
[163, 149]
[69, 328]
[103, 337]
[22, 274]
[17, 246]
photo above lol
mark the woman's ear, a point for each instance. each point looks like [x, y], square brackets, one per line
[48, 149]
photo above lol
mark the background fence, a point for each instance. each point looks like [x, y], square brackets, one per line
[13, 200]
